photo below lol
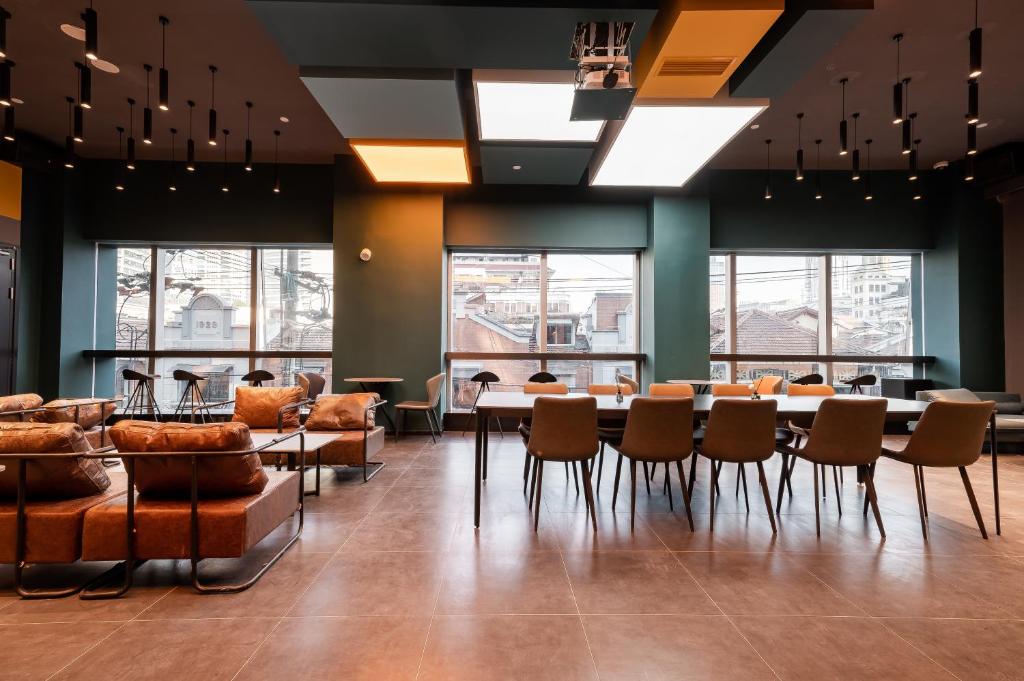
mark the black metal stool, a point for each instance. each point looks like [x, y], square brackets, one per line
[192, 399]
[861, 381]
[255, 378]
[484, 378]
[142, 399]
[809, 379]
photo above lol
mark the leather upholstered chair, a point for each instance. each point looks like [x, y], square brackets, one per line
[732, 390]
[768, 385]
[352, 417]
[435, 384]
[670, 390]
[810, 389]
[312, 384]
[541, 388]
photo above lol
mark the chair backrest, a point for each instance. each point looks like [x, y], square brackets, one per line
[626, 380]
[809, 379]
[485, 377]
[949, 434]
[768, 385]
[434, 386]
[546, 389]
[312, 382]
[608, 389]
[731, 390]
[740, 430]
[847, 432]
[659, 429]
[542, 377]
[670, 390]
[812, 389]
[564, 429]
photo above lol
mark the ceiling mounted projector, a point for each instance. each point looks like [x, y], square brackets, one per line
[604, 89]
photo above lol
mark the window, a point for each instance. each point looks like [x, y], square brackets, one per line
[782, 310]
[223, 312]
[548, 304]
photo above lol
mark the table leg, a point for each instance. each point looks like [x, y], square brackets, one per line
[478, 448]
[486, 442]
[994, 444]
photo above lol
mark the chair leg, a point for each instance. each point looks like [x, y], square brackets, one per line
[817, 503]
[647, 478]
[600, 466]
[920, 504]
[538, 478]
[615, 490]
[693, 474]
[686, 494]
[533, 481]
[526, 471]
[711, 491]
[632, 496]
[718, 472]
[869, 483]
[869, 470]
[575, 477]
[824, 487]
[783, 471]
[924, 494]
[974, 501]
[835, 479]
[588, 493]
[668, 487]
[767, 497]
[789, 476]
[743, 475]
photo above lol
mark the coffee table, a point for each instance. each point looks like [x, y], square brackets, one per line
[293, 447]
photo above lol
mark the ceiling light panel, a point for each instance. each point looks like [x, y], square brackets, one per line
[664, 146]
[531, 112]
[428, 163]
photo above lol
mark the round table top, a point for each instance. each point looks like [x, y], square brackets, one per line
[375, 379]
[698, 381]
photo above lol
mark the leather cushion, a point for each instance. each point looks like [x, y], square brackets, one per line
[171, 477]
[258, 407]
[17, 403]
[227, 527]
[63, 478]
[90, 414]
[342, 412]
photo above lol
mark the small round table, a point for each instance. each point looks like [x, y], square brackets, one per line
[365, 381]
[700, 385]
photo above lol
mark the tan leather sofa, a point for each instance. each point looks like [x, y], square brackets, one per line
[352, 417]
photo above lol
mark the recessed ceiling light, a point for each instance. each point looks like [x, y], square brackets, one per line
[755, 126]
[664, 146]
[104, 65]
[73, 31]
[531, 111]
[420, 162]
[283, 119]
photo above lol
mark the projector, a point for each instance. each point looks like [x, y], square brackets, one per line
[604, 90]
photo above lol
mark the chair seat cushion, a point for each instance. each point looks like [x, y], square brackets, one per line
[347, 450]
[160, 476]
[53, 529]
[89, 414]
[60, 478]
[342, 412]
[259, 407]
[413, 404]
[17, 403]
[227, 527]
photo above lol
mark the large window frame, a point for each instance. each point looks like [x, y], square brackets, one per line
[543, 356]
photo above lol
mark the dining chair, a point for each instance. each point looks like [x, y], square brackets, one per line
[435, 384]
[740, 432]
[844, 433]
[810, 389]
[658, 430]
[949, 435]
[563, 430]
[313, 384]
[732, 390]
[670, 390]
[541, 388]
[609, 431]
[808, 379]
[768, 385]
[609, 389]
[804, 424]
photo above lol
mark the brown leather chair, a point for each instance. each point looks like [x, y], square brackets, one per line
[352, 417]
[312, 383]
[435, 384]
[811, 389]
[844, 433]
[670, 390]
[564, 429]
[949, 434]
[609, 389]
[658, 430]
[731, 390]
[768, 385]
[542, 388]
[610, 432]
[740, 432]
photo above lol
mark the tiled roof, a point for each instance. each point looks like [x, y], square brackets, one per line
[763, 333]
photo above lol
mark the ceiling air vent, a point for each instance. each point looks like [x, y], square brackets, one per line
[695, 66]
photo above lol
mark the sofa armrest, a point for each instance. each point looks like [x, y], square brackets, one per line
[1006, 403]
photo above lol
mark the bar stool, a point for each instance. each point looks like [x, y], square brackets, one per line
[542, 377]
[484, 378]
[255, 378]
[861, 382]
[143, 398]
[809, 379]
[192, 399]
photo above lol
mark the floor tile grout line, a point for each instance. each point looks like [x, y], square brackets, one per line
[579, 613]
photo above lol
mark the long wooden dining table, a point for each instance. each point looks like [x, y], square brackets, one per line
[520, 405]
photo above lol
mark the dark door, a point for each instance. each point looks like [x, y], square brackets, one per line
[7, 291]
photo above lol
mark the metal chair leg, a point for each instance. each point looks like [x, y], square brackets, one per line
[711, 491]
[632, 496]
[588, 493]
[783, 473]
[924, 494]
[835, 479]
[533, 481]
[669, 489]
[743, 475]
[767, 497]
[600, 466]
[538, 479]
[647, 478]
[817, 503]
[686, 494]
[615, 490]
[920, 505]
[869, 482]
[974, 501]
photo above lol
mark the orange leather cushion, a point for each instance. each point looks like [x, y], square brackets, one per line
[546, 389]
[17, 403]
[258, 407]
[63, 411]
[342, 412]
[160, 476]
[64, 478]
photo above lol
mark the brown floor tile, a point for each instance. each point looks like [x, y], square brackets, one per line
[37, 651]
[435, 477]
[819, 648]
[403, 532]
[510, 532]
[74, 609]
[327, 648]
[321, 532]
[971, 649]
[634, 582]
[352, 497]
[576, 533]
[446, 499]
[180, 649]
[486, 647]
[671, 648]
[505, 584]
[375, 583]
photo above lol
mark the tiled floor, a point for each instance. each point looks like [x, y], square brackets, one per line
[391, 581]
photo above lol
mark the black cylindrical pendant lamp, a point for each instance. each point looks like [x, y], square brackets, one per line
[4, 16]
[969, 169]
[92, 34]
[164, 92]
[277, 175]
[84, 85]
[768, 172]
[975, 49]
[972, 140]
[897, 87]
[119, 180]
[9, 124]
[172, 185]
[130, 162]
[147, 113]
[79, 125]
[248, 140]
[906, 136]
[855, 170]
[912, 163]
[190, 145]
[224, 185]
[69, 141]
[5, 82]
[843, 146]
[212, 138]
[799, 148]
[972, 102]
[818, 194]
[868, 195]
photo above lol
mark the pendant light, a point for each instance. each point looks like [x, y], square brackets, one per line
[912, 156]
[277, 176]
[130, 158]
[147, 113]
[906, 134]
[9, 124]
[248, 141]
[974, 41]
[968, 169]
[190, 145]
[84, 85]
[868, 195]
[92, 33]
[79, 124]
[799, 148]
[224, 185]
[897, 87]
[6, 69]
[4, 16]
[164, 101]
[212, 140]
[817, 174]
[855, 175]
[918, 194]
[173, 184]
[69, 141]
[119, 179]
[768, 173]
[842, 123]
[972, 102]
[972, 140]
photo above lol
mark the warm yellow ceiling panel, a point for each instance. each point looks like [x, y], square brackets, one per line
[695, 45]
[414, 161]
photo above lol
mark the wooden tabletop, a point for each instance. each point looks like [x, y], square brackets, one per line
[375, 379]
[314, 441]
[698, 381]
